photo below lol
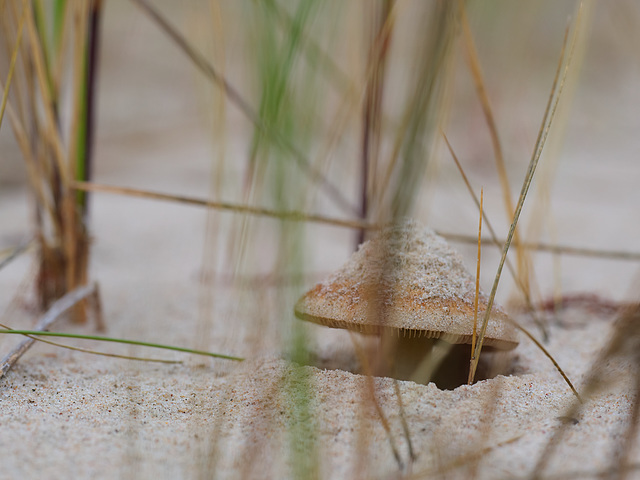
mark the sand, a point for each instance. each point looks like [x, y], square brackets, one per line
[71, 415]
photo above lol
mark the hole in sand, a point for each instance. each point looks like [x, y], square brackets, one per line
[414, 359]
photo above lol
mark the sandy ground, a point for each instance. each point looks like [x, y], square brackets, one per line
[71, 415]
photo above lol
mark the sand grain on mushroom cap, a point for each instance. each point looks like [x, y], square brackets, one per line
[408, 281]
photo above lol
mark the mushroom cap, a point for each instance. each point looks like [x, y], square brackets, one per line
[405, 281]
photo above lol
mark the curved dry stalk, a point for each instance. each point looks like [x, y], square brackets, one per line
[548, 355]
[542, 137]
[523, 289]
[403, 420]
[549, 248]
[477, 294]
[372, 107]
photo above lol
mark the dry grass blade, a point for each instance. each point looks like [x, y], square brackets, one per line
[426, 103]
[234, 97]
[59, 307]
[370, 394]
[372, 109]
[546, 247]
[111, 355]
[14, 56]
[477, 294]
[549, 356]
[529, 304]
[476, 71]
[383, 420]
[550, 110]
[523, 288]
[297, 216]
[293, 216]
[476, 74]
[403, 420]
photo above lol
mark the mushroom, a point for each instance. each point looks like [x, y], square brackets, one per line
[408, 286]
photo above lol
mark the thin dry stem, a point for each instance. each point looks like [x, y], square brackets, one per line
[542, 136]
[372, 108]
[483, 96]
[548, 355]
[297, 216]
[33, 171]
[14, 56]
[290, 215]
[477, 294]
[523, 288]
[403, 420]
[363, 358]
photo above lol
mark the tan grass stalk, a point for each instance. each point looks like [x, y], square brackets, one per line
[10, 19]
[291, 215]
[355, 223]
[33, 173]
[477, 294]
[550, 110]
[372, 106]
[14, 56]
[524, 290]
[481, 90]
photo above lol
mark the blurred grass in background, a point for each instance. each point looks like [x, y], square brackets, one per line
[346, 100]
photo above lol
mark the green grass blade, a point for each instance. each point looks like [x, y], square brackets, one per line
[99, 338]
[59, 9]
